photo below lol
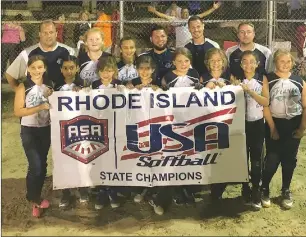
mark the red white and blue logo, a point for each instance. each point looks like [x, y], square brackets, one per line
[84, 138]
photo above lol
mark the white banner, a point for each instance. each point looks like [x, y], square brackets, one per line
[147, 138]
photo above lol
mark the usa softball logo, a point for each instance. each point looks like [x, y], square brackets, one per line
[84, 138]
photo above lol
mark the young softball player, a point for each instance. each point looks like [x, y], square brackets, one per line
[31, 105]
[285, 125]
[182, 76]
[146, 70]
[146, 67]
[255, 86]
[94, 45]
[126, 65]
[218, 73]
[70, 69]
[108, 71]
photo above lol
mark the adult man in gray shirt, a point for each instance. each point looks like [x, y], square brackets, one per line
[48, 47]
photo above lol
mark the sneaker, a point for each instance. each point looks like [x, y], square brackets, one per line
[287, 201]
[246, 194]
[256, 201]
[65, 201]
[157, 209]
[265, 198]
[113, 199]
[189, 196]
[101, 200]
[36, 211]
[84, 195]
[44, 204]
[140, 196]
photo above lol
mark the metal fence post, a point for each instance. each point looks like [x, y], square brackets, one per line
[270, 23]
[121, 18]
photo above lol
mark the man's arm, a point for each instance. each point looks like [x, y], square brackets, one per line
[17, 70]
[159, 14]
[211, 10]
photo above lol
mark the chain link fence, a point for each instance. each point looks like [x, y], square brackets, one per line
[132, 18]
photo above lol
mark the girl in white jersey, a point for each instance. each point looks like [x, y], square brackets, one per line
[32, 106]
[70, 69]
[126, 66]
[182, 76]
[108, 71]
[285, 125]
[256, 90]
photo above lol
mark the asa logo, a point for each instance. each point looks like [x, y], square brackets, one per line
[84, 138]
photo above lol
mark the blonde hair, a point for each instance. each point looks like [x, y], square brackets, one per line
[281, 52]
[213, 51]
[93, 30]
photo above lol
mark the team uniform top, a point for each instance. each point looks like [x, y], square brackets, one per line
[34, 96]
[163, 63]
[234, 57]
[285, 96]
[198, 52]
[126, 72]
[69, 87]
[187, 80]
[99, 85]
[88, 68]
[254, 111]
[224, 78]
[54, 59]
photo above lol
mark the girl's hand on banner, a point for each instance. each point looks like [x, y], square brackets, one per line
[220, 84]
[139, 87]
[120, 88]
[211, 85]
[76, 89]
[245, 88]
[86, 89]
[154, 87]
[129, 86]
[198, 86]
[48, 92]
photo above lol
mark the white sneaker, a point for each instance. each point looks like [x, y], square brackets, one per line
[98, 206]
[265, 198]
[287, 201]
[140, 196]
[157, 209]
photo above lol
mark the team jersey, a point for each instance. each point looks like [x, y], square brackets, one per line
[88, 68]
[224, 78]
[54, 58]
[285, 96]
[69, 87]
[198, 53]
[34, 96]
[234, 57]
[254, 111]
[99, 85]
[163, 63]
[187, 80]
[126, 72]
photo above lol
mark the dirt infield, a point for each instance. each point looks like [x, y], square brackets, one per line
[230, 218]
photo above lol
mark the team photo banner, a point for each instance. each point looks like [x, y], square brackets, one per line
[148, 138]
